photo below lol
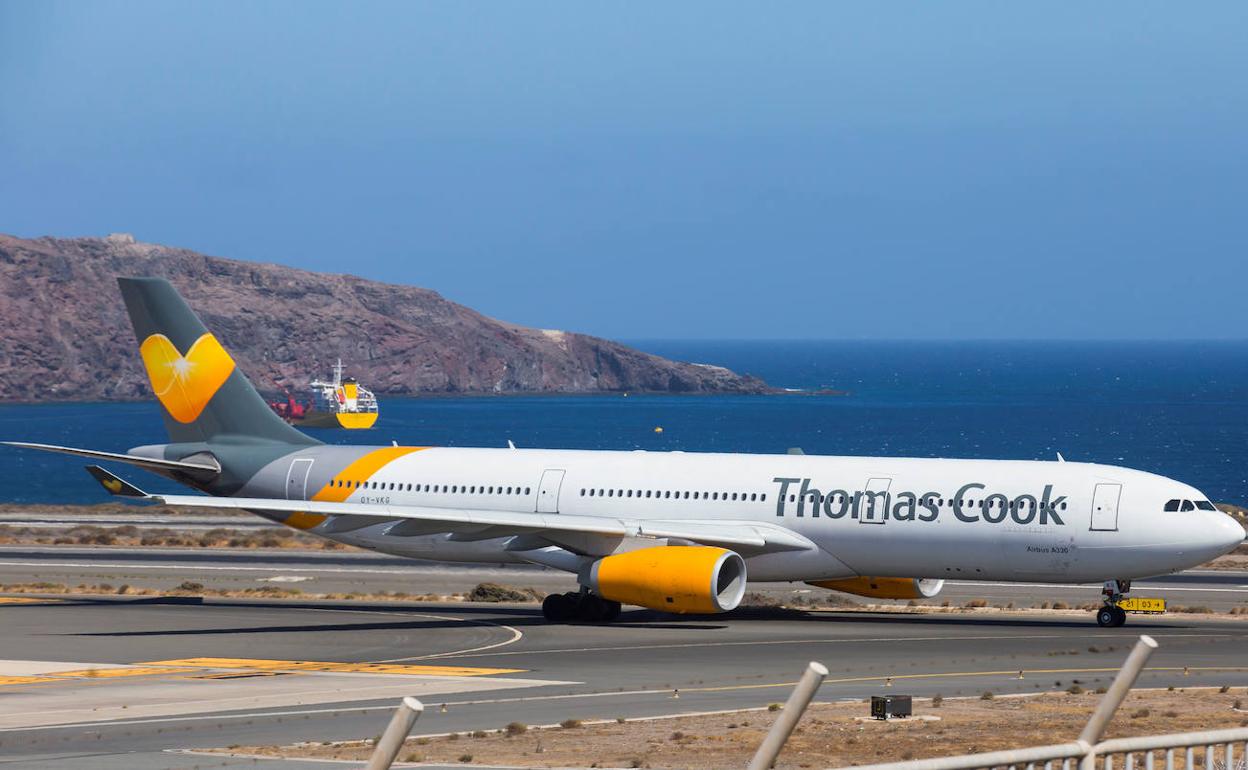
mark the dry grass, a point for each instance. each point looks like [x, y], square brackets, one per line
[188, 588]
[115, 508]
[828, 735]
[130, 535]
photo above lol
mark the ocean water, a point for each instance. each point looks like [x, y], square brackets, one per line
[1175, 408]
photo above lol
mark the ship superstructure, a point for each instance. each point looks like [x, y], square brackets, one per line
[337, 403]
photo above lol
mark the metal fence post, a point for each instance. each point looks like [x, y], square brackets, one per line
[391, 740]
[779, 733]
[1114, 697]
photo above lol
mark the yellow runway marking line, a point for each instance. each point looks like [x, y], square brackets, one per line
[335, 668]
[6, 680]
[108, 673]
[240, 674]
[28, 600]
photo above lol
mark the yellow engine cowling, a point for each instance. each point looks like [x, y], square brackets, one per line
[885, 588]
[672, 578]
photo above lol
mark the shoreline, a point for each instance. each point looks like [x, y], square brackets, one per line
[442, 396]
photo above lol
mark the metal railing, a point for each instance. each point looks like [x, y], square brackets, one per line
[1208, 750]
[1217, 751]
[391, 741]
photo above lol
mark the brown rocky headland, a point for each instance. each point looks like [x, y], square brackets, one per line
[67, 337]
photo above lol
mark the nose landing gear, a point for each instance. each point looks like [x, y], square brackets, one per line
[584, 607]
[1110, 615]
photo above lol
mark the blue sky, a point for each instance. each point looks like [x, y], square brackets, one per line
[822, 170]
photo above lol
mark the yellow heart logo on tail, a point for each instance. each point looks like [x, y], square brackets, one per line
[112, 485]
[185, 383]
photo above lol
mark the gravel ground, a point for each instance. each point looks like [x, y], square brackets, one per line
[829, 735]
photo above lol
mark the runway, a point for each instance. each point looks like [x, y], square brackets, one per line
[225, 672]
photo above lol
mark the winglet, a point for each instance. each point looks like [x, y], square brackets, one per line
[115, 485]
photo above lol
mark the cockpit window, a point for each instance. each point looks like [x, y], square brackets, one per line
[1188, 505]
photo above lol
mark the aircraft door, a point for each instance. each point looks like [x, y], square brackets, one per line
[297, 479]
[872, 502]
[1105, 507]
[548, 491]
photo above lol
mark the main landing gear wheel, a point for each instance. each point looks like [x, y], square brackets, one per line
[586, 608]
[557, 608]
[1111, 616]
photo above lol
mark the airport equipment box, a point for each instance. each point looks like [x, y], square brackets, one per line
[885, 706]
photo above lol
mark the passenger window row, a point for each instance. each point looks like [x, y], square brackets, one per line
[667, 494]
[460, 489]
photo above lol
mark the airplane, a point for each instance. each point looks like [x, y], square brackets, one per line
[670, 531]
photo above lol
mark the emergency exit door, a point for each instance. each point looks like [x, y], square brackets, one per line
[1105, 506]
[297, 479]
[872, 502]
[548, 491]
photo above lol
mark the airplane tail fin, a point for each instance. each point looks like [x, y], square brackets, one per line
[203, 395]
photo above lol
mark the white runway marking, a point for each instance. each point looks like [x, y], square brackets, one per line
[1093, 634]
[516, 634]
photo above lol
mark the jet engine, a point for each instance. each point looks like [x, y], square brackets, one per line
[672, 578]
[885, 588]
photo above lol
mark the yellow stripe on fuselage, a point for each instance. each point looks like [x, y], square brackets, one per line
[362, 470]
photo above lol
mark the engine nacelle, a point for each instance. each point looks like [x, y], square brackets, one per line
[671, 578]
[885, 588]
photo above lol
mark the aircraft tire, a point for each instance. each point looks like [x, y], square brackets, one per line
[592, 609]
[1107, 617]
[613, 611]
[1120, 616]
[557, 609]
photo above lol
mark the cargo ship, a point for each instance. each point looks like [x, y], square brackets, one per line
[340, 403]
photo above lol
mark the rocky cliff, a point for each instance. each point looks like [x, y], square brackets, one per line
[66, 335]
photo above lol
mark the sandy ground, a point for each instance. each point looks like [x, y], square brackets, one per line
[829, 735]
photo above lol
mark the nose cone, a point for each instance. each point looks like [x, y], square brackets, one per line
[1224, 533]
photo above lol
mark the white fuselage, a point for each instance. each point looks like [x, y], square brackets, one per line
[926, 518]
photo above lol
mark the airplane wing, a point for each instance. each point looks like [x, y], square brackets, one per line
[419, 520]
[473, 523]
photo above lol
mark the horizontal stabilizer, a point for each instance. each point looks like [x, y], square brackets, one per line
[150, 463]
[115, 484]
